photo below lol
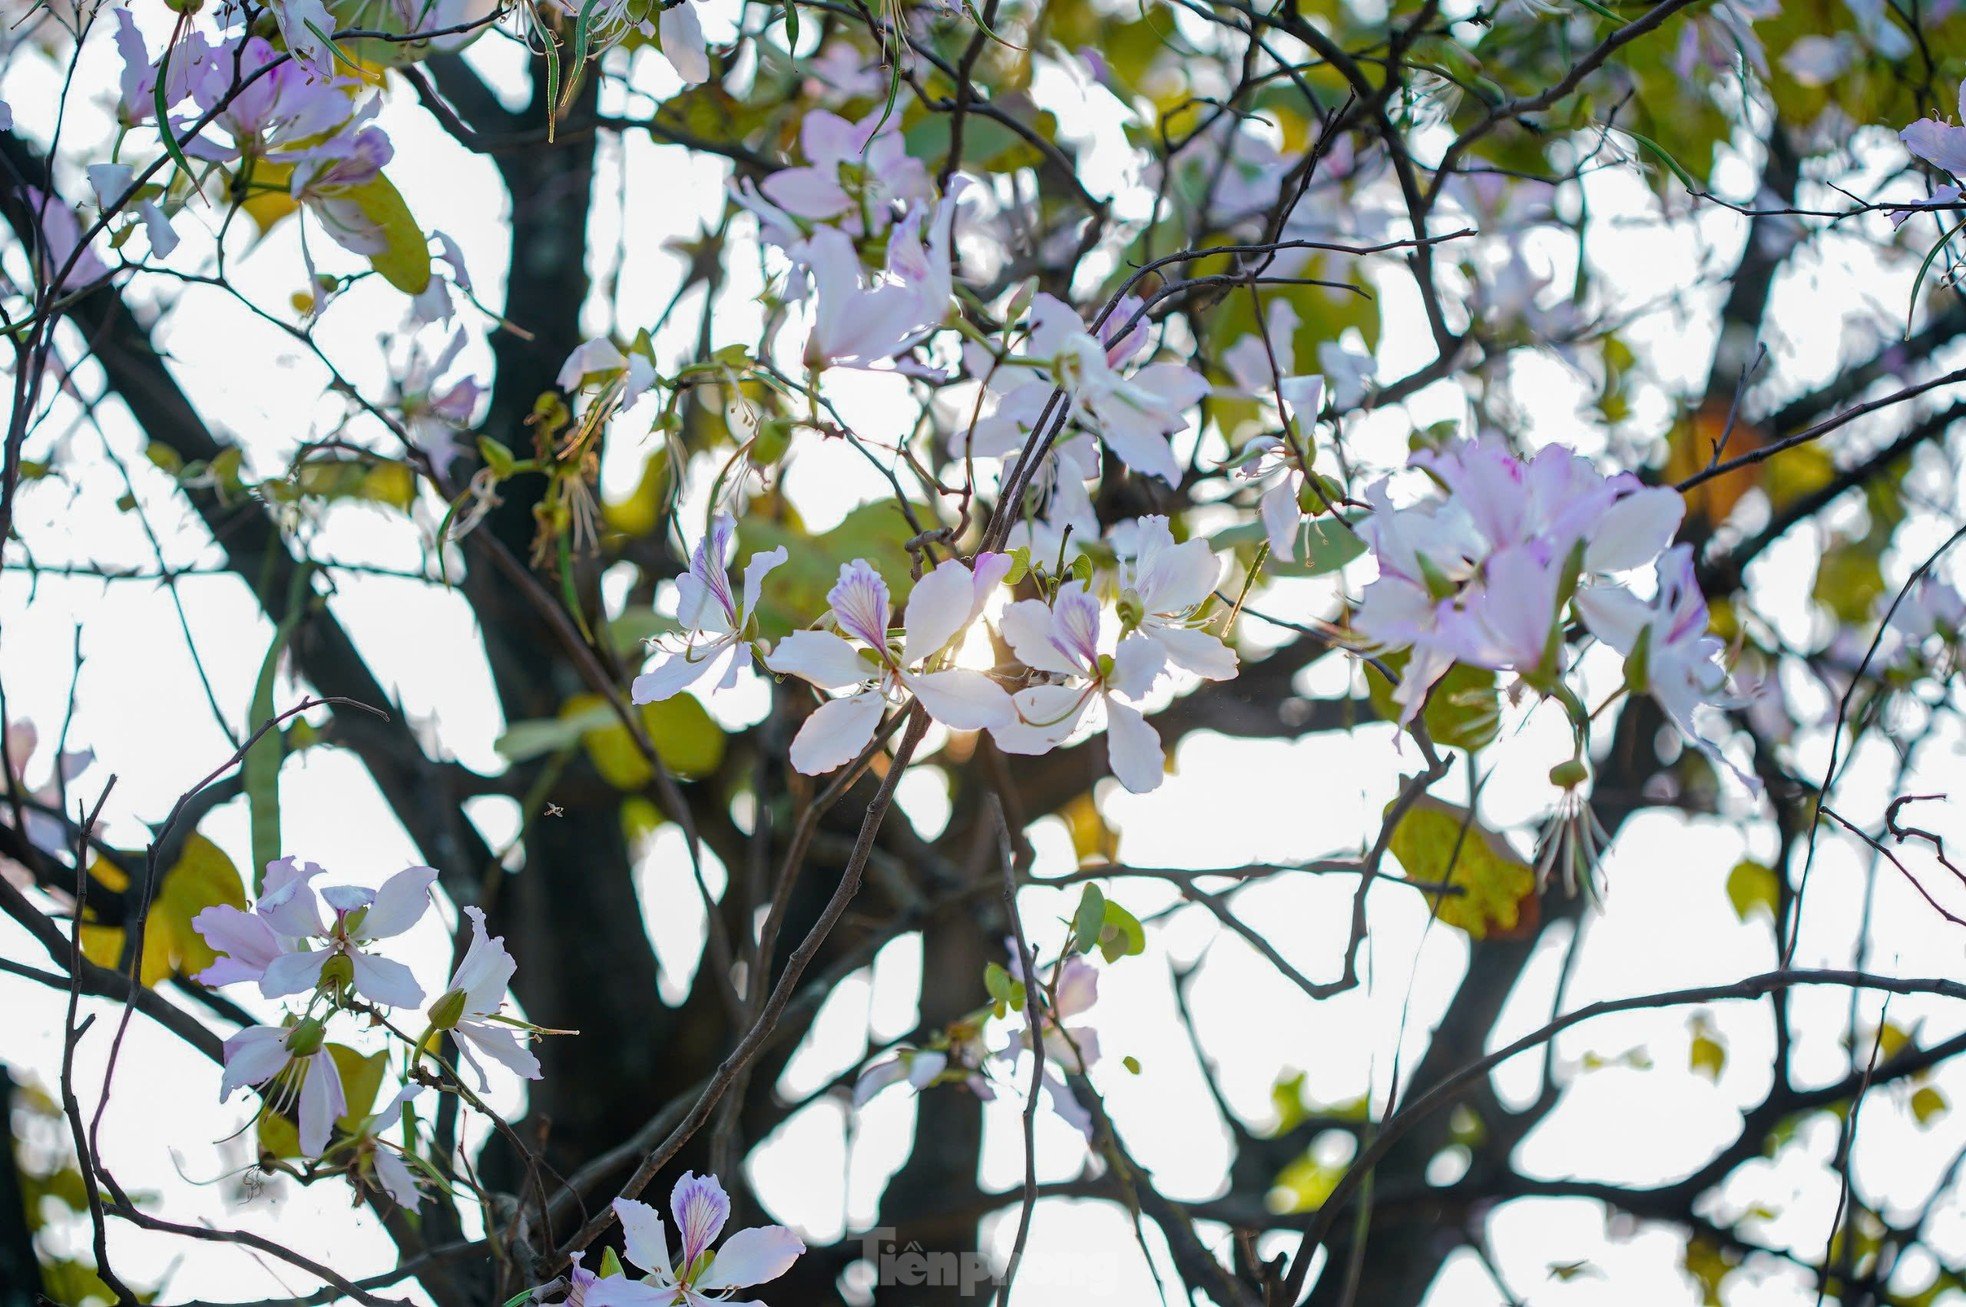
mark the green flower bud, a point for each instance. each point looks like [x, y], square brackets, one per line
[307, 1038]
[1569, 775]
[338, 972]
[447, 1011]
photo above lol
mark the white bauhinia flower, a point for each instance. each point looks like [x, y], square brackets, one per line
[859, 657]
[718, 625]
[379, 1164]
[1161, 587]
[293, 1064]
[360, 918]
[1669, 651]
[1061, 640]
[469, 1005]
[699, 1276]
[857, 324]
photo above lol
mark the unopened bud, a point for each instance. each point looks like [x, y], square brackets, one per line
[447, 1011]
[1569, 775]
[338, 972]
[307, 1038]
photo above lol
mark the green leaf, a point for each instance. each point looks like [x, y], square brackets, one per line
[405, 261]
[1120, 935]
[1089, 921]
[1463, 711]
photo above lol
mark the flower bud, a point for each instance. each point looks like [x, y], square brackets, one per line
[447, 1011]
[1569, 775]
[338, 972]
[307, 1038]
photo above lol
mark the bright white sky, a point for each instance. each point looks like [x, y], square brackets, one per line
[1666, 924]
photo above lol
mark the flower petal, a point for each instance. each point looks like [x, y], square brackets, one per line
[939, 607]
[700, 1207]
[752, 1256]
[1133, 748]
[385, 980]
[836, 733]
[646, 1240]
[963, 699]
[400, 903]
[821, 657]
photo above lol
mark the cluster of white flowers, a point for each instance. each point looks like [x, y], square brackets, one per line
[289, 948]
[1087, 651]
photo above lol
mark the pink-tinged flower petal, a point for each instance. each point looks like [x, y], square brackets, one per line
[1077, 988]
[813, 193]
[344, 899]
[1938, 143]
[836, 732]
[1067, 1105]
[645, 1239]
[822, 658]
[400, 903]
[321, 1102]
[962, 699]
[294, 973]
[247, 941]
[700, 1207]
[385, 981]
[252, 1057]
[939, 607]
[291, 907]
[1134, 748]
[860, 603]
[1075, 625]
[1026, 626]
[754, 1256]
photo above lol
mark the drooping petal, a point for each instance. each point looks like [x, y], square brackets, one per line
[682, 43]
[1282, 517]
[385, 981]
[878, 1076]
[836, 732]
[400, 903]
[252, 1057]
[321, 1102]
[963, 699]
[396, 1179]
[1614, 615]
[645, 1238]
[1134, 748]
[822, 658]
[754, 1256]
[700, 1207]
[502, 1045]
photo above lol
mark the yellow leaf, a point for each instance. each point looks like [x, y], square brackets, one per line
[1093, 839]
[202, 877]
[269, 201]
[1928, 1105]
[1442, 843]
[1751, 886]
[687, 740]
[1708, 1054]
